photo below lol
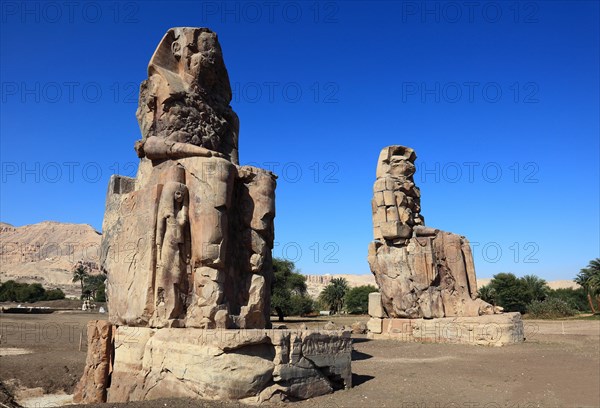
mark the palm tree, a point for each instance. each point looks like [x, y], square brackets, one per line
[537, 288]
[589, 279]
[334, 293]
[80, 274]
[94, 283]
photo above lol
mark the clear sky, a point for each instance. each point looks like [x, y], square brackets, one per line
[499, 99]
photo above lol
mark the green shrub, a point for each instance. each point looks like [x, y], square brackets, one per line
[510, 292]
[301, 305]
[8, 291]
[28, 293]
[357, 299]
[487, 293]
[11, 291]
[576, 298]
[550, 308]
[54, 294]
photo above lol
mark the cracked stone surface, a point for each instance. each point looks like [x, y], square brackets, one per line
[186, 97]
[422, 272]
[186, 246]
[96, 375]
[252, 365]
[187, 242]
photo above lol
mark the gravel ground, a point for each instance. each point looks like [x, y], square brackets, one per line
[557, 366]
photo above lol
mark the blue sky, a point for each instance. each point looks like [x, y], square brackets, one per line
[499, 100]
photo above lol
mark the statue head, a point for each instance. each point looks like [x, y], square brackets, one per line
[187, 94]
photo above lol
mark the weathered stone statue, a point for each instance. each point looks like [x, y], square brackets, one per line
[426, 277]
[185, 100]
[187, 249]
[421, 271]
[200, 257]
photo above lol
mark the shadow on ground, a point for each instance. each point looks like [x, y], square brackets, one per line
[358, 356]
[358, 379]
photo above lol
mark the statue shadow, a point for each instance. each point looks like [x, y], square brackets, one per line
[359, 356]
[359, 379]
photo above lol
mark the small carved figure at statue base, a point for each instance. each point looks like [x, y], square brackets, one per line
[186, 246]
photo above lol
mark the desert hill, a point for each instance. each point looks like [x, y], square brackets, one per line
[46, 252]
[316, 283]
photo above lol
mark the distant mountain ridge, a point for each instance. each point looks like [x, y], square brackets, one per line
[46, 252]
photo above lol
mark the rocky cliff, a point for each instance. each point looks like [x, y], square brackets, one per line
[46, 252]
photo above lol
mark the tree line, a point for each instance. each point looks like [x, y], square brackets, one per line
[531, 294]
[528, 294]
[289, 295]
[11, 291]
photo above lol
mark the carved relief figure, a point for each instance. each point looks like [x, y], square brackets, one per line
[172, 252]
[208, 264]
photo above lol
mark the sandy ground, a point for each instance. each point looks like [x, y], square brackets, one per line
[557, 366]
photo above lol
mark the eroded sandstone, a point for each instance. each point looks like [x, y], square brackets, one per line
[422, 272]
[254, 364]
[187, 250]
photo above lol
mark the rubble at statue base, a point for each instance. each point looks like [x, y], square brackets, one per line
[426, 277]
[187, 249]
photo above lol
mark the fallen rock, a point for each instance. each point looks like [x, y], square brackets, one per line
[359, 328]
[330, 326]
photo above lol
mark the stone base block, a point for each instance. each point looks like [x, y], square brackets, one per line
[375, 325]
[250, 365]
[92, 387]
[375, 306]
[487, 330]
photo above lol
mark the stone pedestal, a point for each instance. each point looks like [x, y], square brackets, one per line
[252, 365]
[488, 330]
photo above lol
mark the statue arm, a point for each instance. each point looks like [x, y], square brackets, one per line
[156, 148]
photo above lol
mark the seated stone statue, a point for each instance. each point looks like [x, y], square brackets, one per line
[421, 271]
